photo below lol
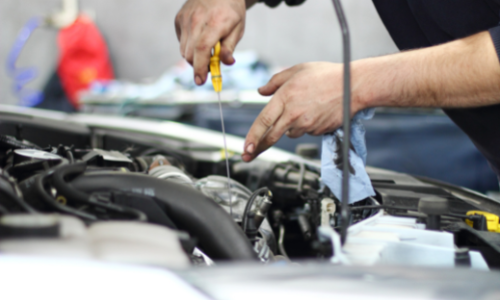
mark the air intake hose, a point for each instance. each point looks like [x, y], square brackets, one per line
[220, 237]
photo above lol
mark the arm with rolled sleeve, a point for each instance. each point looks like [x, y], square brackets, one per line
[459, 74]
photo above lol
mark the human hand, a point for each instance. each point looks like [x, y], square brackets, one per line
[200, 24]
[307, 99]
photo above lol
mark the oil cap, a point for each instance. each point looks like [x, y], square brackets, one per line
[30, 155]
[433, 207]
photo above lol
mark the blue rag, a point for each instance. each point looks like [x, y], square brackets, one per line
[360, 185]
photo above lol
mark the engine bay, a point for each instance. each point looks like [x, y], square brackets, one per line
[73, 190]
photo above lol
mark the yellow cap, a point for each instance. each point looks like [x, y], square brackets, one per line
[492, 220]
[215, 69]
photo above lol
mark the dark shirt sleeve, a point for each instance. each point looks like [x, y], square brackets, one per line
[495, 36]
[274, 3]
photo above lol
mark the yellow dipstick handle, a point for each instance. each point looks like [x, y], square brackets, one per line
[215, 69]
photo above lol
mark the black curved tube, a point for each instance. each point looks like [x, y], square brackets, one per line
[19, 201]
[64, 189]
[59, 182]
[39, 182]
[248, 206]
[8, 192]
[219, 236]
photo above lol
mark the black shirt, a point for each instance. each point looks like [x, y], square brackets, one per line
[423, 23]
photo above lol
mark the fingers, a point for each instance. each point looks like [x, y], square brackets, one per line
[270, 125]
[178, 26]
[273, 135]
[295, 133]
[200, 24]
[304, 101]
[264, 122]
[192, 30]
[208, 37]
[181, 34]
[276, 82]
[202, 53]
[229, 44]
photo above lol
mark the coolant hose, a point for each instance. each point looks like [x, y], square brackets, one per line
[219, 236]
[63, 188]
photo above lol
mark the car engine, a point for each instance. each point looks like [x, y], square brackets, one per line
[47, 189]
[121, 196]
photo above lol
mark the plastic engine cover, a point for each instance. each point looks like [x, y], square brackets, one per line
[114, 241]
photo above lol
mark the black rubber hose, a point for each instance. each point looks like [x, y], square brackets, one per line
[361, 208]
[39, 182]
[36, 195]
[248, 206]
[219, 236]
[59, 182]
[8, 194]
[17, 200]
[74, 195]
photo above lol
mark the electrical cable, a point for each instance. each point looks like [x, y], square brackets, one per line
[469, 217]
[14, 198]
[346, 124]
[19, 201]
[281, 239]
[356, 208]
[248, 206]
[450, 215]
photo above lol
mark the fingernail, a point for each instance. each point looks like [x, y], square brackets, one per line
[197, 79]
[250, 148]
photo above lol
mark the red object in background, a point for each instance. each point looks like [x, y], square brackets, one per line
[83, 58]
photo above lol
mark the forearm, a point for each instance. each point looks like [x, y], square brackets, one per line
[463, 73]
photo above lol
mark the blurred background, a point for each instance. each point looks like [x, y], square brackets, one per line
[146, 76]
[143, 44]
